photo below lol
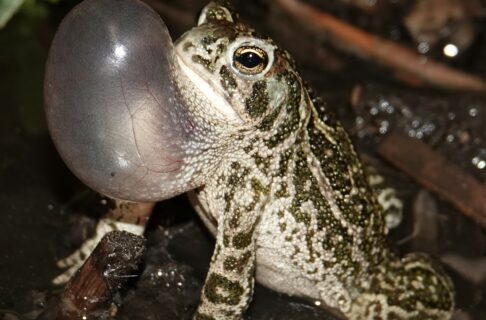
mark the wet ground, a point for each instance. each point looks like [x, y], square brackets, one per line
[45, 212]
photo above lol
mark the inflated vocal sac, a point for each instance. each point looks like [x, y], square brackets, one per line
[112, 105]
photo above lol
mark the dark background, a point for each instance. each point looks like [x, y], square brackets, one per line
[45, 212]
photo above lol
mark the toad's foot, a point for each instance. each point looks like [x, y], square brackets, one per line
[387, 198]
[74, 261]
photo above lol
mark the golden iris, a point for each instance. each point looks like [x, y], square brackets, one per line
[250, 60]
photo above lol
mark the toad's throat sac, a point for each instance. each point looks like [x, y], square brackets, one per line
[114, 110]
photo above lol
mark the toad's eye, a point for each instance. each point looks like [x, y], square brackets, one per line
[250, 60]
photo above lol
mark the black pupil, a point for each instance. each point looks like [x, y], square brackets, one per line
[249, 59]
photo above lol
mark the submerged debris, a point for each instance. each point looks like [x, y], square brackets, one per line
[92, 289]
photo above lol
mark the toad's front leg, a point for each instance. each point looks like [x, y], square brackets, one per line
[230, 279]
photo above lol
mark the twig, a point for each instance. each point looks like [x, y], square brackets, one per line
[386, 52]
[434, 172]
[365, 5]
[91, 290]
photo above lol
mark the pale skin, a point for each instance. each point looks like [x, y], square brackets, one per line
[283, 191]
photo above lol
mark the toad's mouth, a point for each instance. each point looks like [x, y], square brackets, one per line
[113, 107]
[218, 101]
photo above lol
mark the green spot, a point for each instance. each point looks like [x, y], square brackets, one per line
[257, 103]
[234, 221]
[237, 264]
[226, 240]
[262, 162]
[258, 187]
[227, 80]
[283, 164]
[207, 40]
[204, 62]
[268, 121]
[296, 252]
[314, 271]
[220, 290]
[201, 316]
[283, 191]
[243, 239]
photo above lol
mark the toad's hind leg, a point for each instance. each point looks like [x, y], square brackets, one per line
[124, 216]
[414, 287]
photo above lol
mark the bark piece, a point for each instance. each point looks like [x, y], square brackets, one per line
[434, 172]
[89, 294]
